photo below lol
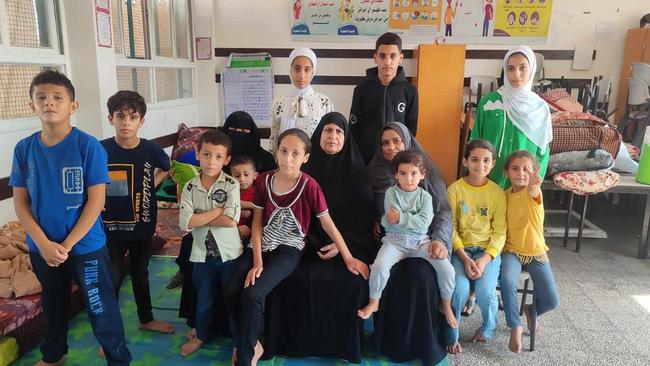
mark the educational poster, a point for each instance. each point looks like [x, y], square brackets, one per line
[339, 17]
[523, 18]
[247, 85]
[419, 16]
[424, 21]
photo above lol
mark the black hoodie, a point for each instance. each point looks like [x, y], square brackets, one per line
[374, 105]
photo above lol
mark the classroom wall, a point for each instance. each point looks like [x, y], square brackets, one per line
[254, 23]
[251, 23]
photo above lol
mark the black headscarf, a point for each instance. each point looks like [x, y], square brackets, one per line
[382, 176]
[343, 177]
[247, 143]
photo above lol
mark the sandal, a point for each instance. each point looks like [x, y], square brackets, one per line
[469, 307]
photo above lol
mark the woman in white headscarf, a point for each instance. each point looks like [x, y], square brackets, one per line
[514, 117]
[301, 107]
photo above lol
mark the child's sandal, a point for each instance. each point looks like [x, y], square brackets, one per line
[469, 307]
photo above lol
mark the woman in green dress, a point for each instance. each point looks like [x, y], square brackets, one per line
[514, 117]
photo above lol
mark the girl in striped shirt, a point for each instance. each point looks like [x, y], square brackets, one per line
[284, 202]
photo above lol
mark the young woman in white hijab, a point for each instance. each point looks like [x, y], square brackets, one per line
[302, 107]
[514, 117]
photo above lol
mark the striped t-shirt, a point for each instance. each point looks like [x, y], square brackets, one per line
[303, 200]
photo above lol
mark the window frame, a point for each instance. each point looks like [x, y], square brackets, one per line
[20, 54]
[154, 61]
[54, 56]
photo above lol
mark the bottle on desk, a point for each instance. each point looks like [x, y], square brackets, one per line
[643, 175]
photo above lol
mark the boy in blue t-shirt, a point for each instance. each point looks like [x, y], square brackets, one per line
[59, 181]
[135, 167]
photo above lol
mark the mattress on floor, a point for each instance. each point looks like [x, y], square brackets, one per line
[167, 239]
[15, 312]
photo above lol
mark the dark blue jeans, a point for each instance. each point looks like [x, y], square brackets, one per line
[92, 271]
[139, 254]
[249, 302]
[205, 275]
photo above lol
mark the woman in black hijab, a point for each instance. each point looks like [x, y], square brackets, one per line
[313, 311]
[408, 324]
[245, 138]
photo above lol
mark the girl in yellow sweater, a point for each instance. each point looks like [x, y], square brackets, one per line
[525, 246]
[478, 207]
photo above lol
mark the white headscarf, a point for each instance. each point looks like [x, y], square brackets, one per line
[527, 111]
[294, 105]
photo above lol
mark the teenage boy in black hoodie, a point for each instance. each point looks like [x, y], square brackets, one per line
[385, 96]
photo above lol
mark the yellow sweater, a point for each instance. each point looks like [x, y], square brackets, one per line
[525, 226]
[479, 216]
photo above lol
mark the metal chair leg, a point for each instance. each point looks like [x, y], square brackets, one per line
[568, 221]
[582, 223]
[524, 293]
[533, 323]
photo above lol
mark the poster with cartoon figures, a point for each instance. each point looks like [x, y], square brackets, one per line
[340, 17]
[424, 21]
[522, 18]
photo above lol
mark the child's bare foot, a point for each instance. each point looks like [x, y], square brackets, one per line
[529, 324]
[455, 348]
[191, 346]
[515, 340]
[157, 326]
[233, 359]
[191, 334]
[57, 363]
[366, 311]
[445, 308]
[259, 350]
[100, 352]
[478, 336]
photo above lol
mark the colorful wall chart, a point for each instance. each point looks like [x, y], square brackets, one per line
[516, 18]
[340, 17]
[424, 21]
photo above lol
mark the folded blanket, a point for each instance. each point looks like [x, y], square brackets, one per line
[16, 275]
[579, 160]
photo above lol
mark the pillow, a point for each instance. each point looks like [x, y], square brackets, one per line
[167, 191]
[586, 183]
[183, 173]
[188, 158]
[187, 139]
[579, 160]
[561, 100]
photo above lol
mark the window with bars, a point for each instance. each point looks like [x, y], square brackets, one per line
[117, 28]
[135, 78]
[30, 44]
[14, 88]
[170, 32]
[133, 27]
[163, 21]
[181, 29]
[172, 21]
[27, 21]
[173, 83]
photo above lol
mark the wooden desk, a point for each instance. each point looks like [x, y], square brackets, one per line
[627, 184]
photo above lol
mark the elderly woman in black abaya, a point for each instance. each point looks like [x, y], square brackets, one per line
[313, 312]
[408, 324]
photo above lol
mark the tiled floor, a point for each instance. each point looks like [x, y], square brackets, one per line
[600, 321]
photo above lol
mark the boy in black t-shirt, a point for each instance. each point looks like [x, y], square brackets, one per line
[135, 167]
